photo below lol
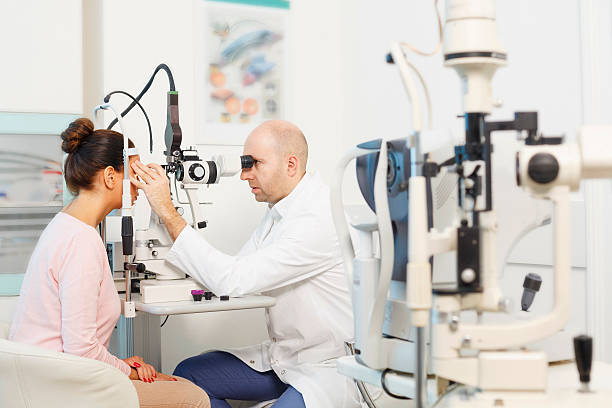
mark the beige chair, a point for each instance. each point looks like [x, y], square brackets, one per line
[33, 377]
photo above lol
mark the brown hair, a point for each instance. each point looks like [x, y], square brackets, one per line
[89, 151]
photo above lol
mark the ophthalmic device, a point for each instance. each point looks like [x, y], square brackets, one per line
[486, 362]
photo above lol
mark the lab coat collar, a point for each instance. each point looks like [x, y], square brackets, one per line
[281, 209]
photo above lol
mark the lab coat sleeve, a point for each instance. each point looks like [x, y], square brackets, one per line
[249, 246]
[303, 250]
[79, 290]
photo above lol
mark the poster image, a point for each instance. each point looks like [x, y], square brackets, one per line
[243, 71]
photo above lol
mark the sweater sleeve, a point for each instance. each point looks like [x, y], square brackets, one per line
[79, 289]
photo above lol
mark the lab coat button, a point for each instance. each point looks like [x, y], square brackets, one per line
[252, 361]
[283, 372]
[274, 339]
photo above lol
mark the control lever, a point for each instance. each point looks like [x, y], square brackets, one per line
[583, 350]
[531, 285]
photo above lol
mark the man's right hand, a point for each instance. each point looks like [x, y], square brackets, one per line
[156, 186]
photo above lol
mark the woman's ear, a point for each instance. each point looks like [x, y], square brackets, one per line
[111, 177]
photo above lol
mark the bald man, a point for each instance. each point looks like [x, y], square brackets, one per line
[294, 256]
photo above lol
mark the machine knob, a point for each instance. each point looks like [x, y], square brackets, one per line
[531, 285]
[543, 168]
[583, 350]
[154, 253]
[468, 275]
[197, 172]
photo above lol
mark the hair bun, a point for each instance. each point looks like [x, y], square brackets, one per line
[76, 134]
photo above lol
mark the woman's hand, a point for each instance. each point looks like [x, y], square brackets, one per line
[141, 370]
[164, 377]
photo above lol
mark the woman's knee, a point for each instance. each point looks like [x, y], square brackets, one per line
[193, 396]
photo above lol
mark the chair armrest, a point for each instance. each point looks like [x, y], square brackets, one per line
[35, 377]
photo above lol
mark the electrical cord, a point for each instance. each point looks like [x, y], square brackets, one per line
[424, 53]
[384, 386]
[531, 227]
[165, 320]
[145, 89]
[107, 98]
[447, 391]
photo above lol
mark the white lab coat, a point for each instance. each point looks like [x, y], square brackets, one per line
[294, 256]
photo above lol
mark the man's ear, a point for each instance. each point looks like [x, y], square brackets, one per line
[111, 177]
[292, 165]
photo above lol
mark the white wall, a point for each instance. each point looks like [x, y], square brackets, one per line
[41, 50]
[41, 69]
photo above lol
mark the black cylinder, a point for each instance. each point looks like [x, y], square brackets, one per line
[127, 235]
[583, 350]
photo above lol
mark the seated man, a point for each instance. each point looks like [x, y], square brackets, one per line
[294, 256]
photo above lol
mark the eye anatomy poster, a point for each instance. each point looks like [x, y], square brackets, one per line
[244, 68]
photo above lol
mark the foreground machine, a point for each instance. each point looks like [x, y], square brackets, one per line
[394, 301]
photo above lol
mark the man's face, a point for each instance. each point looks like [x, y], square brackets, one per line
[266, 178]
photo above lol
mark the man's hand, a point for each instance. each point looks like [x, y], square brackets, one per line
[156, 186]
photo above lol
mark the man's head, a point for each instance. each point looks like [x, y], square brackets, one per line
[280, 152]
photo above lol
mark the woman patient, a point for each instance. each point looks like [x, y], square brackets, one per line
[68, 300]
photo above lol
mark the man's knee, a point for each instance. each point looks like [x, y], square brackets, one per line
[187, 368]
[195, 366]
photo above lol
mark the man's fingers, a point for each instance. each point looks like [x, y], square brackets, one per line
[141, 170]
[159, 169]
[144, 175]
[139, 184]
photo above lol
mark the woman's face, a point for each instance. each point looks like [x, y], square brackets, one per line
[133, 188]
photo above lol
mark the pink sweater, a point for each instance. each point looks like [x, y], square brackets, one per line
[68, 300]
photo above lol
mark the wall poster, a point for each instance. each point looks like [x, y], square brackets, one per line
[242, 68]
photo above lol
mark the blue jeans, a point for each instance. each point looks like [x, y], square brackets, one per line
[224, 376]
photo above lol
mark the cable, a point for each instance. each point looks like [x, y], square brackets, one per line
[531, 227]
[384, 386]
[425, 91]
[423, 53]
[145, 89]
[107, 98]
[165, 320]
[447, 391]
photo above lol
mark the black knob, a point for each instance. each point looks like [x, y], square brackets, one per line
[141, 268]
[208, 295]
[543, 168]
[583, 350]
[197, 172]
[531, 285]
